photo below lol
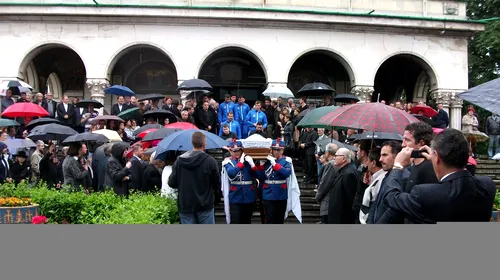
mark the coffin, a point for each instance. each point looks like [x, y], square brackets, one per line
[257, 146]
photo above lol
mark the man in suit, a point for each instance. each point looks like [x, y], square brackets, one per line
[65, 112]
[458, 197]
[343, 189]
[308, 149]
[77, 119]
[442, 119]
[51, 105]
[119, 107]
[137, 168]
[40, 101]
[171, 107]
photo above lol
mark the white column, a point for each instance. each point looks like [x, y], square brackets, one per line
[443, 96]
[364, 93]
[97, 87]
[456, 111]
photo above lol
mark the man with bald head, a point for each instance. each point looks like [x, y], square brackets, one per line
[343, 189]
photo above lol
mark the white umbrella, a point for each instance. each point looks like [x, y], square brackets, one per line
[112, 135]
[278, 91]
[22, 86]
[496, 157]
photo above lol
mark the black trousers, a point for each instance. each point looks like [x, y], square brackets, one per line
[274, 211]
[309, 166]
[241, 213]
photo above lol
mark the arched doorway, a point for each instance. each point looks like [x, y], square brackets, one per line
[323, 67]
[56, 69]
[404, 78]
[144, 69]
[234, 70]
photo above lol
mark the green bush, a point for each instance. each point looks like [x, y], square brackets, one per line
[61, 206]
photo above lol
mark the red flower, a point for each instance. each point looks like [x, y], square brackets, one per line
[39, 220]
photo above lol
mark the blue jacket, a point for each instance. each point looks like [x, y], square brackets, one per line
[241, 112]
[241, 187]
[224, 109]
[234, 126]
[274, 185]
[255, 117]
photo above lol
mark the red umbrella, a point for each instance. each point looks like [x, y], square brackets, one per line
[426, 111]
[142, 134]
[437, 130]
[24, 110]
[181, 125]
[376, 117]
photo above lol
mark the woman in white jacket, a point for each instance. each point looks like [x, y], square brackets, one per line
[166, 190]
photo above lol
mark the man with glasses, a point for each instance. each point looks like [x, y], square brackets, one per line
[51, 105]
[343, 189]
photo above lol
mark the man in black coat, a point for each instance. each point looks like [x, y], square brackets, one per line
[119, 107]
[308, 149]
[442, 119]
[197, 177]
[343, 189]
[458, 197]
[77, 117]
[65, 112]
[137, 168]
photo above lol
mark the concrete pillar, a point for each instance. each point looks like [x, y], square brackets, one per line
[456, 111]
[451, 104]
[364, 93]
[96, 87]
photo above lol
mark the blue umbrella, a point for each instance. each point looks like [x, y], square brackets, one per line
[181, 141]
[119, 90]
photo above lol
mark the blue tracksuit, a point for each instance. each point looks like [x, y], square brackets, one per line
[240, 115]
[255, 117]
[234, 126]
[224, 109]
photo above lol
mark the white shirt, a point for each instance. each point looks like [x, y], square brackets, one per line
[65, 107]
[166, 190]
[371, 193]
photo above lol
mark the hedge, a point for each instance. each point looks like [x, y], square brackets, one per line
[64, 206]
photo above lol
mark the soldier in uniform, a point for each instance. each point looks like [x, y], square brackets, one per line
[238, 185]
[273, 175]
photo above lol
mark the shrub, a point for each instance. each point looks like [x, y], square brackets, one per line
[65, 206]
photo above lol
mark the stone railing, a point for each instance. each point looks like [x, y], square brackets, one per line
[453, 9]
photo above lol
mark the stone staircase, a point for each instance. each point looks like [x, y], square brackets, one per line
[490, 168]
[310, 208]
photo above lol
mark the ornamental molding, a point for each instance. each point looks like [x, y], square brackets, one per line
[364, 93]
[97, 87]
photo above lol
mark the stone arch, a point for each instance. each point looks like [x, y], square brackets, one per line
[123, 50]
[54, 85]
[56, 58]
[234, 69]
[414, 72]
[144, 68]
[342, 68]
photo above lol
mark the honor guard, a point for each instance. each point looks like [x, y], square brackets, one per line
[274, 174]
[238, 185]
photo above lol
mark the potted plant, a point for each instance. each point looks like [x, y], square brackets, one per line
[15, 210]
[496, 208]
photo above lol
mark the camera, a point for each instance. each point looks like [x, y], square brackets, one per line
[417, 154]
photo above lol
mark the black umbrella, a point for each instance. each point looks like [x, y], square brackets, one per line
[146, 127]
[51, 131]
[425, 119]
[160, 134]
[85, 103]
[152, 96]
[150, 151]
[345, 98]
[325, 141]
[484, 96]
[41, 121]
[195, 84]
[160, 114]
[315, 89]
[86, 137]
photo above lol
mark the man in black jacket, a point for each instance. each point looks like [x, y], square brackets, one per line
[196, 176]
[458, 197]
[308, 149]
[492, 129]
[442, 120]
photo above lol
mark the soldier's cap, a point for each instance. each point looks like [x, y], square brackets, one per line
[235, 145]
[278, 144]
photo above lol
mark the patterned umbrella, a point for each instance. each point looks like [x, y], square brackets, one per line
[370, 116]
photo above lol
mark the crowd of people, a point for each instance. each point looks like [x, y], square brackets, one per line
[389, 182]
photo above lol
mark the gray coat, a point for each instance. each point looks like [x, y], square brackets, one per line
[324, 187]
[73, 173]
